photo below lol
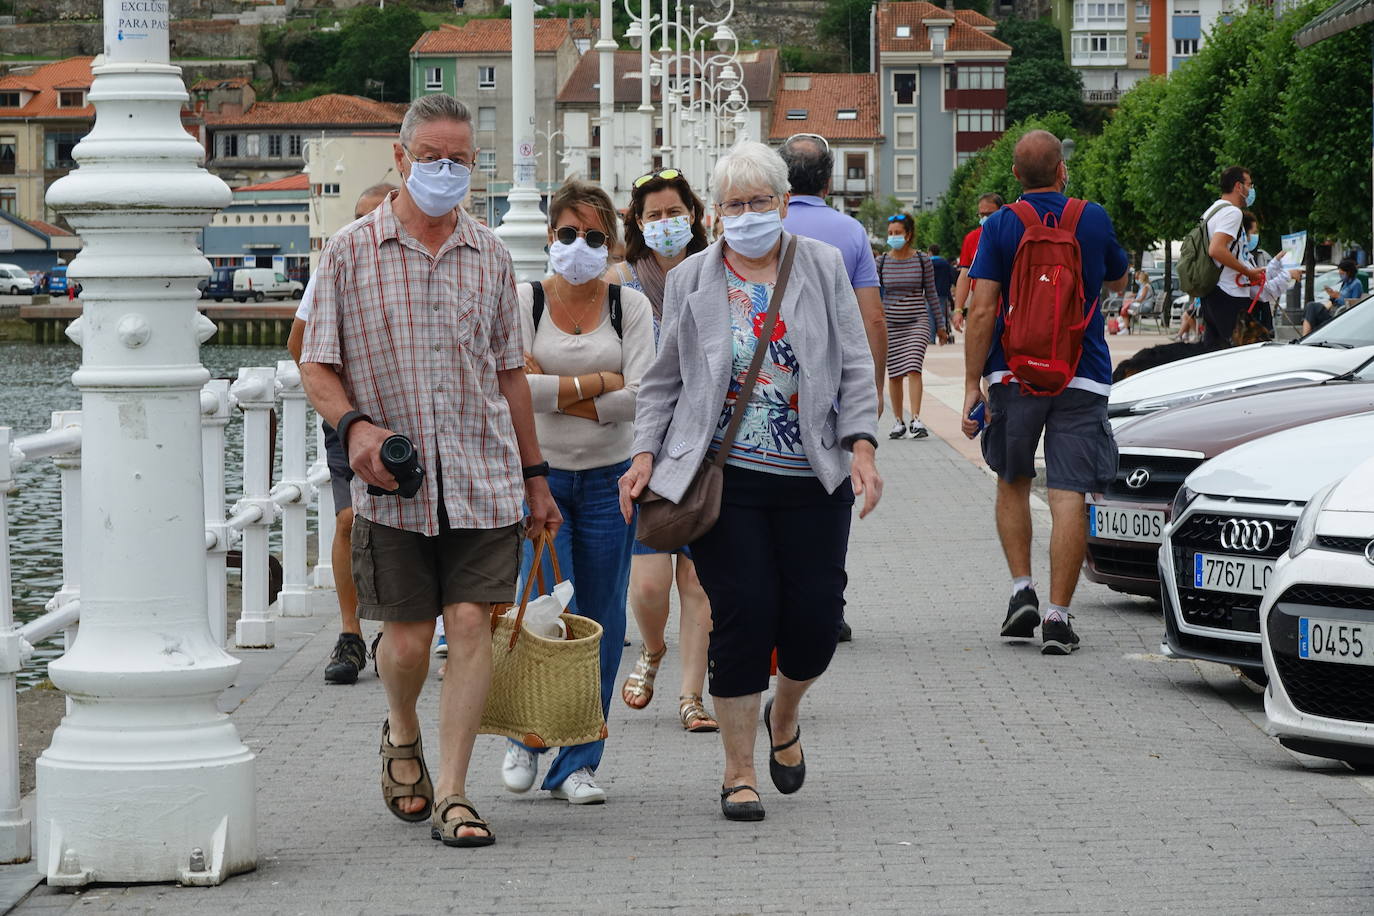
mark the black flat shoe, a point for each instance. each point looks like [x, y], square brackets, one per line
[740, 811]
[786, 779]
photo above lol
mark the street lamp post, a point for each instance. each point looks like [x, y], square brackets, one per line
[145, 780]
[549, 135]
[523, 227]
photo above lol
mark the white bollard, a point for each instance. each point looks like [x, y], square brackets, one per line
[145, 779]
[295, 590]
[15, 829]
[214, 417]
[323, 575]
[256, 393]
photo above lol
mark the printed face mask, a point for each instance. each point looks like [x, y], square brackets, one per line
[669, 237]
[752, 234]
[437, 187]
[577, 263]
[896, 241]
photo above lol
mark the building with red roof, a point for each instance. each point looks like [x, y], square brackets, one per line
[266, 225]
[942, 93]
[44, 113]
[842, 108]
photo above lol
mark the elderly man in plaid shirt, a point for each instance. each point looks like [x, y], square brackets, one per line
[414, 331]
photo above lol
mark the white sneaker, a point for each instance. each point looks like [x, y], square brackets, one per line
[519, 769]
[918, 429]
[898, 431]
[580, 788]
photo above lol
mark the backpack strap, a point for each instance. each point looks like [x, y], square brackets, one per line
[537, 289]
[1072, 211]
[617, 320]
[1023, 209]
[882, 259]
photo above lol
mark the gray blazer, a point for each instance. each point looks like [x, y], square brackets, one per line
[681, 396]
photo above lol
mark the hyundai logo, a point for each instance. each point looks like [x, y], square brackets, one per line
[1247, 534]
[1138, 478]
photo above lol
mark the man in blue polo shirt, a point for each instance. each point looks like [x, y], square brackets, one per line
[1080, 453]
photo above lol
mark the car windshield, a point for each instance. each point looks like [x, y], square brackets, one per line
[1352, 328]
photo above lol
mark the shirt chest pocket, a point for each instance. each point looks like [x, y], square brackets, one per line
[457, 314]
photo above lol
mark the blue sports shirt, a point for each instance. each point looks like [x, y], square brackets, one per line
[1103, 259]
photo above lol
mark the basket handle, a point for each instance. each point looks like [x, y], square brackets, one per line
[542, 541]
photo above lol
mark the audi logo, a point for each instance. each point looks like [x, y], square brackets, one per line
[1247, 534]
[1138, 478]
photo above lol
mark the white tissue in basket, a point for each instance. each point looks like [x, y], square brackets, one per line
[542, 614]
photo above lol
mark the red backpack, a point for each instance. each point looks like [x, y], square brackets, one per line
[1043, 319]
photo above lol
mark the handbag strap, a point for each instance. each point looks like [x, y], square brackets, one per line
[542, 540]
[765, 337]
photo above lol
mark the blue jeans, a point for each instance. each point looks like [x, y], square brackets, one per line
[594, 554]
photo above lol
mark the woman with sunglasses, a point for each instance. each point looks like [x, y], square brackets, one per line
[663, 225]
[587, 343]
[773, 565]
[912, 306]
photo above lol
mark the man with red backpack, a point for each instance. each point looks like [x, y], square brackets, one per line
[1035, 336]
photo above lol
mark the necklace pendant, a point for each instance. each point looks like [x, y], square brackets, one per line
[577, 328]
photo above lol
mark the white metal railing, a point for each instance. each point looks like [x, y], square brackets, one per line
[248, 522]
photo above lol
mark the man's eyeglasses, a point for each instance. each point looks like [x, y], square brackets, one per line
[567, 235]
[761, 204]
[817, 137]
[665, 174]
[441, 161]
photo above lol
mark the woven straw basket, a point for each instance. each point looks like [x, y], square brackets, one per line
[544, 692]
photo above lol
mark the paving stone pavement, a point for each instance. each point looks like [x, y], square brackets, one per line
[949, 772]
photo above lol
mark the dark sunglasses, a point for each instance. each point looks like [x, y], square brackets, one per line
[567, 235]
[665, 174]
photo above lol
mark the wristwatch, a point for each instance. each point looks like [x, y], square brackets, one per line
[535, 470]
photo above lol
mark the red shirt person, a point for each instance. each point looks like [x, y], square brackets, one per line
[988, 204]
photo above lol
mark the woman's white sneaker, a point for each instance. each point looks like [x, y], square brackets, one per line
[580, 788]
[519, 768]
[898, 431]
[918, 429]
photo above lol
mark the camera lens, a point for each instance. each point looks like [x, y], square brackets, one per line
[397, 450]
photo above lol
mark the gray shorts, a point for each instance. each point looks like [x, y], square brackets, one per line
[339, 472]
[1080, 450]
[407, 576]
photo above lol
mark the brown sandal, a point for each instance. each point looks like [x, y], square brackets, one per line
[640, 683]
[447, 831]
[393, 791]
[694, 716]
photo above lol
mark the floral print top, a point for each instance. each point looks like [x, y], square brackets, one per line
[769, 437]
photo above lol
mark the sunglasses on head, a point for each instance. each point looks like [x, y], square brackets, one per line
[567, 235]
[900, 217]
[665, 174]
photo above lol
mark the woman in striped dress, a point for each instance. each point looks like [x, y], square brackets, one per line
[910, 304]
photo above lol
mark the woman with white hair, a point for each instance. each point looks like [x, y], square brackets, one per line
[773, 565]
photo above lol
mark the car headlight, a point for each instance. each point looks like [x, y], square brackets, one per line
[1305, 531]
[1182, 500]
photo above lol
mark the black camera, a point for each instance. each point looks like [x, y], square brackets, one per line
[401, 459]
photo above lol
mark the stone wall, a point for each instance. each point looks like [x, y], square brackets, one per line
[190, 38]
[42, 11]
[777, 22]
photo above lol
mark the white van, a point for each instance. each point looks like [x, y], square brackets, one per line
[15, 280]
[259, 283]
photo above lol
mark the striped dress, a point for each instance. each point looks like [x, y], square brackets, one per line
[910, 303]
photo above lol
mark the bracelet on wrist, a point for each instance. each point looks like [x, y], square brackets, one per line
[601, 376]
[345, 423]
[535, 470]
[577, 386]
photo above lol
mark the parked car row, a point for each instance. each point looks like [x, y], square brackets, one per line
[244, 283]
[1244, 502]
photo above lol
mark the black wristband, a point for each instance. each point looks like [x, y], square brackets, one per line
[535, 470]
[850, 440]
[346, 421]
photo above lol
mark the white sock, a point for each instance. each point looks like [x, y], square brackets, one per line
[439, 627]
[1019, 583]
[1055, 612]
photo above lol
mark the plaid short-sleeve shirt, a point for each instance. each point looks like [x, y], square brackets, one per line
[417, 340]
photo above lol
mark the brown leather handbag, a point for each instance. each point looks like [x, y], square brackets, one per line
[667, 525]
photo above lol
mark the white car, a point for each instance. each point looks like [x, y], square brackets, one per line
[15, 280]
[1231, 521]
[1317, 622]
[1343, 343]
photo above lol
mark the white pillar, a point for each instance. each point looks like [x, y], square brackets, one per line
[295, 590]
[605, 48]
[15, 829]
[256, 393]
[646, 107]
[323, 575]
[214, 417]
[143, 678]
[524, 229]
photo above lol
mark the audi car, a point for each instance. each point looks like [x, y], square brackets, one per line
[1334, 349]
[1317, 627]
[1159, 450]
[1231, 521]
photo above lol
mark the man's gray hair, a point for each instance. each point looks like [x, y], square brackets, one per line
[439, 106]
[750, 165]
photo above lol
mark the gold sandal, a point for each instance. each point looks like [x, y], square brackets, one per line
[640, 683]
[394, 790]
[694, 716]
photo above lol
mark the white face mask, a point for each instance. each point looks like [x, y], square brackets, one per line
[577, 263]
[753, 234]
[669, 237]
[437, 187]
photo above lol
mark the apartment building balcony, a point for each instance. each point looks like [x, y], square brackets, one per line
[854, 186]
[1098, 59]
[1102, 96]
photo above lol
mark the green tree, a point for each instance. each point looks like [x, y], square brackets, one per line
[374, 52]
[1039, 80]
[844, 24]
[873, 214]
